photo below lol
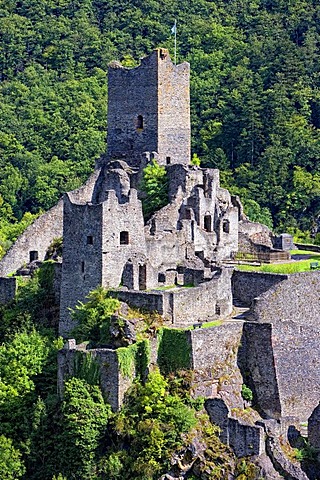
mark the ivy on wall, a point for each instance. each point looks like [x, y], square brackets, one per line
[86, 368]
[174, 350]
[134, 359]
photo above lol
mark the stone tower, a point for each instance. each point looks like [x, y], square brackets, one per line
[149, 111]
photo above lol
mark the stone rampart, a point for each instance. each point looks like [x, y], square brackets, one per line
[282, 362]
[8, 288]
[296, 299]
[248, 285]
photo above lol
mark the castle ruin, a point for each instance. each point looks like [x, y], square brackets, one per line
[190, 242]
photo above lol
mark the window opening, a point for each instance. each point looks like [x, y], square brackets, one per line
[226, 226]
[142, 277]
[33, 255]
[161, 278]
[82, 267]
[140, 122]
[124, 238]
[218, 309]
[168, 160]
[89, 240]
[208, 223]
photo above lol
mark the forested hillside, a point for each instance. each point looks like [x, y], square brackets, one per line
[254, 93]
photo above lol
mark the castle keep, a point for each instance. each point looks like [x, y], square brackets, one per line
[178, 263]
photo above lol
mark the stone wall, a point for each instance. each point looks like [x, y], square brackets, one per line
[82, 261]
[244, 439]
[8, 288]
[208, 301]
[283, 368]
[149, 110]
[113, 384]
[296, 299]
[39, 235]
[174, 129]
[215, 364]
[184, 306]
[36, 238]
[248, 285]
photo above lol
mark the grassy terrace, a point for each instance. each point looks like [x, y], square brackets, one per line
[301, 260]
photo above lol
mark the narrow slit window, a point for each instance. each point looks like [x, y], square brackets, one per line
[89, 240]
[124, 238]
[168, 160]
[82, 267]
[140, 122]
[208, 223]
[218, 309]
[226, 226]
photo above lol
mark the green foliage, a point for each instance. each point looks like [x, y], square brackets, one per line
[134, 359]
[11, 466]
[154, 185]
[35, 303]
[93, 317]
[83, 424]
[306, 453]
[174, 350]
[86, 368]
[246, 393]
[150, 423]
[195, 160]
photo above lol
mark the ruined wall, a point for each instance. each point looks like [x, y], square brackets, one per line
[259, 367]
[8, 288]
[296, 299]
[214, 360]
[39, 235]
[148, 110]
[183, 306]
[123, 240]
[283, 367]
[208, 301]
[82, 257]
[248, 285]
[113, 384]
[244, 439]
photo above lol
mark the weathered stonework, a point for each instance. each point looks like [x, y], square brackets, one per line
[113, 383]
[8, 288]
[246, 286]
[149, 110]
[244, 439]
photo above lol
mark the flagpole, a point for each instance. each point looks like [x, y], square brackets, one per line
[175, 42]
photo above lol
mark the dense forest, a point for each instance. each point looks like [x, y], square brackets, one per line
[254, 95]
[255, 101]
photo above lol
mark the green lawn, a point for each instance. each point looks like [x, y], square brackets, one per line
[302, 265]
